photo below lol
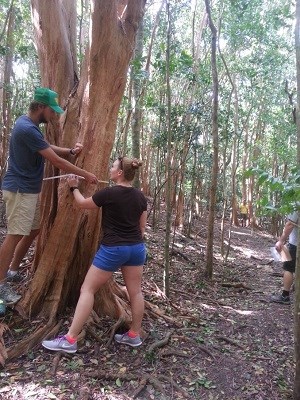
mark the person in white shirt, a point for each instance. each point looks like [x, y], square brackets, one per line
[290, 234]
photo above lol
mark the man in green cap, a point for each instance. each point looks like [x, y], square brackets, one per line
[22, 182]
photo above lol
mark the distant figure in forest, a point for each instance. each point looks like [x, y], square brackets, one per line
[290, 234]
[244, 213]
[124, 215]
[22, 183]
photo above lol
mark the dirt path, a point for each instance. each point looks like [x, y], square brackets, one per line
[250, 338]
[224, 339]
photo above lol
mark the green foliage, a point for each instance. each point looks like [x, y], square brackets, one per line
[138, 73]
[256, 42]
[25, 62]
[203, 381]
[288, 191]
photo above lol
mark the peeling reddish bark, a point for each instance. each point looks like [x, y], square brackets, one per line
[69, 236]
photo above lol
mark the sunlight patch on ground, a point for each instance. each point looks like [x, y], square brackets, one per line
[247, 252]
[208, 307]
[228, 308]
[29, 390]
[241, 233]
[240, 312]
[179, 245]
[34, 391]
[219, 257]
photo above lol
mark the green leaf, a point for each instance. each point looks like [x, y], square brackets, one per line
[271, 208]
[119, 382]
[263, 177]
[248, 173]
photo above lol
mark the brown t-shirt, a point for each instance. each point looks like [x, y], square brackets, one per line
[122, 208]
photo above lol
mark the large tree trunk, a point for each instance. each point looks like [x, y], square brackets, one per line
[56, 49]
[70, 237]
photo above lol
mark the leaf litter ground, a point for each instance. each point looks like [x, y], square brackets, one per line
[218, 340]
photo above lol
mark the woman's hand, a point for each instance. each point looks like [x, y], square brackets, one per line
[73, 180]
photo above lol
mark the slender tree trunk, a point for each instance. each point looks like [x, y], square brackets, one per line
[6, 95]
[245, 164]
[214, 172]
[137, 112]
[140, 87]
[297, 274]
[148, 158]
[226, 162]
[191, 210]
[168, 164]
[234, 160]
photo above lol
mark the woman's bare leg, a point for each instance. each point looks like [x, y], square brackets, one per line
[95, 278]
[133, 281]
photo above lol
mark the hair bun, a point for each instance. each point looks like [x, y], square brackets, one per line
[136, 163]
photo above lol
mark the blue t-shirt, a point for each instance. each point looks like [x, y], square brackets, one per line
[25, 165]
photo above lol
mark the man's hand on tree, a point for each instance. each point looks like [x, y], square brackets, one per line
[76, 149]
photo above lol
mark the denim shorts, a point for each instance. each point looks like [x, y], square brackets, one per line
[111, 258]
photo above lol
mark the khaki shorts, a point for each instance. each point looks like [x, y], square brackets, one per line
[22, 212]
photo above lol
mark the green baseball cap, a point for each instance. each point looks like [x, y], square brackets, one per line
[47, 97]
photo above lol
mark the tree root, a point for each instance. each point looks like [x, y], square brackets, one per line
[93, 334]
[202, 348]
[157, 385]
[160, 343]
[3, 351]
[189, 295]
[174, 353]
[121, 322]
[178, 253]
[56, 361]
[25, 345]
[236, 285]
[177, 387]
[230, 341]
[159, 292]
[174, 306]
[141, 387]
[110, 376]
[155, 382]
[158, 313]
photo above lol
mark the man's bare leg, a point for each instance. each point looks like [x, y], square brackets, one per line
[21, 249]
[6, 253]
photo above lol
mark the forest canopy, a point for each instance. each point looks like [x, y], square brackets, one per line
[257, 88]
